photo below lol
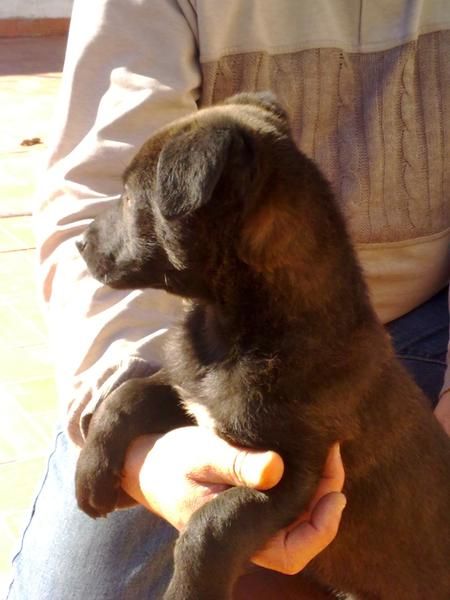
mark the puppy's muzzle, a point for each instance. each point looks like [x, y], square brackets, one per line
[81, 245]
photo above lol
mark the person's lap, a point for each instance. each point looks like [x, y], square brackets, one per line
[420, 339]
[66, 555]
[128, 556]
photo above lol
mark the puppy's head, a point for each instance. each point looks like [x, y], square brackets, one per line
[212, 193]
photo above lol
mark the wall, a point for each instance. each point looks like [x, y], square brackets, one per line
[35, 9]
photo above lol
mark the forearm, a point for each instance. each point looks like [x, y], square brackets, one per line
[119, 85]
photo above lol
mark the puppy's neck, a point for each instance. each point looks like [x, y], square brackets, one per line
[283, 310]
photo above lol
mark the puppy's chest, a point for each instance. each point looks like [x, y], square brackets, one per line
[228, 410]
[230, 395]
[199, 411]
[211, 404]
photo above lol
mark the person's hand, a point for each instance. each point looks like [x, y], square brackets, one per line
[442, 411]
[175, 474]
[292, 548]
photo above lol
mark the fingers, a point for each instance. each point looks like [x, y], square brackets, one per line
[442, 411]
[291, 551]
[334, 469]
[307, 540]
[292, 548]
[201, 457]
[233, 466]
[333, 476]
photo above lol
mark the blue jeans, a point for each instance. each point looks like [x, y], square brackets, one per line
[65, 555]
[420, 340]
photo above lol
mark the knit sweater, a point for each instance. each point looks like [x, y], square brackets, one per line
[367, 89]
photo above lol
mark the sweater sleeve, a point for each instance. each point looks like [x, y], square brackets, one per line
[131, 67]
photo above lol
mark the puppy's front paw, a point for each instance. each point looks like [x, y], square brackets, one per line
[97, 481]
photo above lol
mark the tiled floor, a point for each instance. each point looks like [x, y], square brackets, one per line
[29, 80]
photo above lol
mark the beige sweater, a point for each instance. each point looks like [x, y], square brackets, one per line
[367, 87]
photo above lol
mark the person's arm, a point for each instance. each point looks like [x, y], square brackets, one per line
[442, 410]
[130, 68]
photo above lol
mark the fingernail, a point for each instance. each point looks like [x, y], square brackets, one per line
[341, 502]
[262, 471]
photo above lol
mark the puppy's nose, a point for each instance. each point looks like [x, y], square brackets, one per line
[81, 245]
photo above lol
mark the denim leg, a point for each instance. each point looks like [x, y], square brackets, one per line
[66, 555]
[420, 339]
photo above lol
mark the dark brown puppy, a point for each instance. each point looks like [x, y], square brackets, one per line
[279, 348]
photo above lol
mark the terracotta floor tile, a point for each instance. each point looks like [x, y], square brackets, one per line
[16, 234]
[22, 435]
[33, 96]
[18, 482]
[46, 421]
[34, 396]
[29, 82]
[15, 519]
[30, 304]
[17, 272]
[25, 362]
[17, 329]
[18, 176]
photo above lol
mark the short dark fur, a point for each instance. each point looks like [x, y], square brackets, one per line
[282, 346]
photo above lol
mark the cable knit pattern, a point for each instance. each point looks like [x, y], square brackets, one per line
[361, 117]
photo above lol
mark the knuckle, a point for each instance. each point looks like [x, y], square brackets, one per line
[237, 471]
[292, 567]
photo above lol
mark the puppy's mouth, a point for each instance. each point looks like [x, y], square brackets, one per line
[125, 272]
[129, 275]
[102, 267]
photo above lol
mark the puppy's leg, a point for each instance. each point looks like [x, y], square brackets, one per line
[222, 536]
[137, 407]
[265, 584]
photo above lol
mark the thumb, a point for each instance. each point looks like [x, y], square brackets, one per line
[234, 466]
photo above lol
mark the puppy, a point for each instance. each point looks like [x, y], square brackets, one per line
[279, 349]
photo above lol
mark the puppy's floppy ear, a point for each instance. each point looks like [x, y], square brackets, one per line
[270, 237]
[189, 168]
